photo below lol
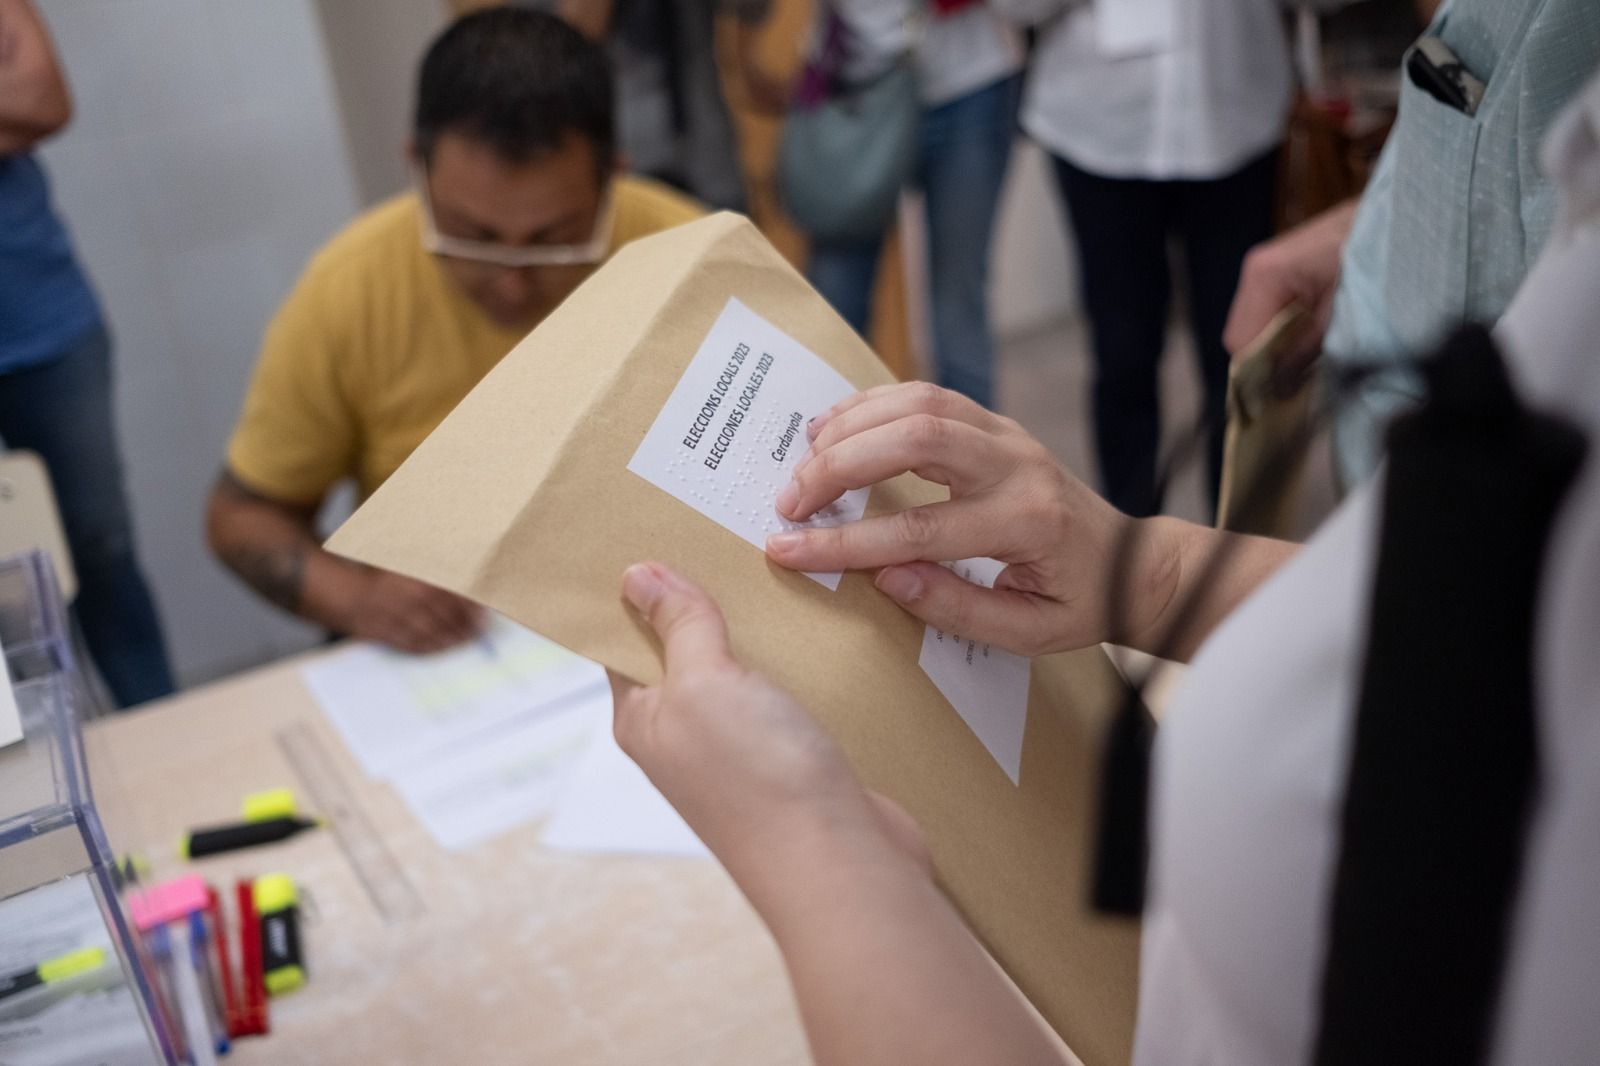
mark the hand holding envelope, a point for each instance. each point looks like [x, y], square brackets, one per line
[751, 770]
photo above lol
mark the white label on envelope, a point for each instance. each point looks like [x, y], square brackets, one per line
[987, 686]
[734, 429]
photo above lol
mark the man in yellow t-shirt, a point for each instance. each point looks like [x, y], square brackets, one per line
[402, 313]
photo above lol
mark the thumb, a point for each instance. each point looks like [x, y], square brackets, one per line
[688, 622]
[621, 687]
[632, 708]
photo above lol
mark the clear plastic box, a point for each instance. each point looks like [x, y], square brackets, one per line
[59, 889]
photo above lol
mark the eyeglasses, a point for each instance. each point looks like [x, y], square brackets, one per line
[512, 256]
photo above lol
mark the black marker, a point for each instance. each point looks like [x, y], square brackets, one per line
[216, 839]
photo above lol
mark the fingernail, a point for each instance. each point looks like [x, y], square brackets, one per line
[814, 426]
[783, 543]
[641, 584]
[900, 585]
[788, 496]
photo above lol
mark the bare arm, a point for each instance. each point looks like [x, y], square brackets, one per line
[34, 101]
[882, 967]
[592, 18]
[271, 544]
[767, 93]
[1188, 578]
[273, 547]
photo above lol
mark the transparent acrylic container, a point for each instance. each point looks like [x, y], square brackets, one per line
[58, 882]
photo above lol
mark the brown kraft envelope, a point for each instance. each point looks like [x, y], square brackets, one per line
[522, 500]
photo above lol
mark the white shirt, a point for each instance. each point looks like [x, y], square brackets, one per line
[956, 54]
[964, 52]
[1211, 98]
[1251, 759]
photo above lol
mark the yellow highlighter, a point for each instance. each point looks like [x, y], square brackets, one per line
[270, 804]
[278, 907]
[52, 971]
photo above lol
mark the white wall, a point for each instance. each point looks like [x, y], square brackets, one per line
[1033, 278]
[376, 46]
[205, 163]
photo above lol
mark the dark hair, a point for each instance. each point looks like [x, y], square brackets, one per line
[517, 80]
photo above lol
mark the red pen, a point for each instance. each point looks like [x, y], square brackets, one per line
[233, 1015]
[255, 989]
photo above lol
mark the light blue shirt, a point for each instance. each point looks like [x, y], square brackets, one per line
[1458, 207]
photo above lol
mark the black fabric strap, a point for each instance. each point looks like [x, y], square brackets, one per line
[1444, 762]
[1122, 828]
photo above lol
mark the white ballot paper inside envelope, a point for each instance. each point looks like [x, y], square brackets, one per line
[654, 415]
[987, 686]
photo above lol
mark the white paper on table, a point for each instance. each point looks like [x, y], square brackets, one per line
[734, 429]
[986, 685]
[391, 708]
[1134, 27]
[97, 1028]
[609, 805]
[90, 1019]
[10, 717]
[508, 776]
[51, 920]
[189, 999]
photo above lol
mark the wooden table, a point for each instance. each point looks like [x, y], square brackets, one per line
[515, 954]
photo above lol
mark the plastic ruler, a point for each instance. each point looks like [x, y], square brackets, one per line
[391, 892]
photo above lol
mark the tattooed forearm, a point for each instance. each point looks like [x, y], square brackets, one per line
[277, 573]
[265, 541]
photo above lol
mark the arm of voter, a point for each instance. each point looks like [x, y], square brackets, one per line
[882, 967]
[1078, 572]
[34, 101]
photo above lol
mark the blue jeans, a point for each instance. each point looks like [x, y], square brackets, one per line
[961, 166]
[62, 410]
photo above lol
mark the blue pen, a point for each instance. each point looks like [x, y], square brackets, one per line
[200, 959]
[188, 1000]
[160, 949]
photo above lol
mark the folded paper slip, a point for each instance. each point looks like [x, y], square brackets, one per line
[653, 416]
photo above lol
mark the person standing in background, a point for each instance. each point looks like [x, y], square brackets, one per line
[968, 66]
[672, 119]
[1164, 120]
[1456, 212]
[55, 372]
